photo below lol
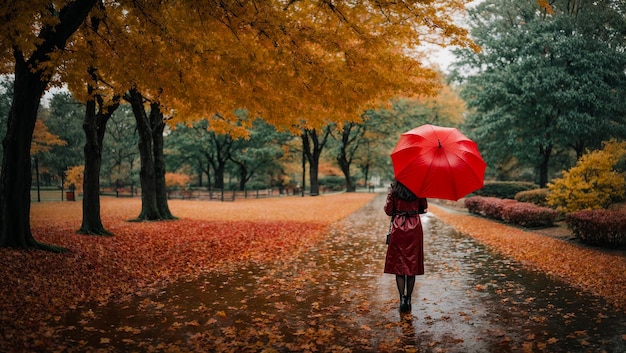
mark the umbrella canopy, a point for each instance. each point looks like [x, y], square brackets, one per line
[438, 162]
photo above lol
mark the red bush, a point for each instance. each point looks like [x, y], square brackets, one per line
[529, 215]
[598, 227]
[510, 211]
[487, 206]
[474, 204]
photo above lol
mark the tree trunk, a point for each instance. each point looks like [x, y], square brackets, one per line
[94, 126]
[149, 208]
[313, 153]
[543, 166]
[244, 177]
[158, 126]
[344, 164]
[349, 143]
[15, 180]
[218, 181]
[29, 85]
[208, 176]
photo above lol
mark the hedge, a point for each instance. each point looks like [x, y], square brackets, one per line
[490, 207]
[529, 215]
[511, 211]
[598, 227]
[536, 196]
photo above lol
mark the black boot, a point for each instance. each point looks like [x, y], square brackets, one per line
[404, 306]
[407, 301]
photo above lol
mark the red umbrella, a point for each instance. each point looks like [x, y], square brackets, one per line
[438, 162]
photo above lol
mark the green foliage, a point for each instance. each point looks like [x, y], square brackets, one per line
[207, 152]
[504, 189]
[333, 182]
[64, 118]
[595, 182]
[598, 227]
[120, 156]
[543, 84]
[536, 196]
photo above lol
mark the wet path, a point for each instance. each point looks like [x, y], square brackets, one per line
[334, 299]
[473, 300]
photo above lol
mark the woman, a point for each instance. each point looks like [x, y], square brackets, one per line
[405, 253]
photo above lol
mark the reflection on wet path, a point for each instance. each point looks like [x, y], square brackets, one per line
[335, 298]
[473, 300]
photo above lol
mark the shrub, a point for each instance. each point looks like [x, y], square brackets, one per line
[473, 204]
[504, 189]
[494, 207]
[595, 182]
[511, 211]
[598, 227]
[487, 206]
[75, 176]
[176, 181]
[333, 182]
[528, 215]
[536, 196]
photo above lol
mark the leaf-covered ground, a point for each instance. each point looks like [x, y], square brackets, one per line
[292, 275]
[601, 272]
[37, 287]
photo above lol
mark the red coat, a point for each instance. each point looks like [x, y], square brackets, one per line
[405, 252]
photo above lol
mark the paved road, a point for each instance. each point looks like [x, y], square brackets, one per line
[334, 298]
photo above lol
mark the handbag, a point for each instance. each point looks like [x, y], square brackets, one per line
[390, 226]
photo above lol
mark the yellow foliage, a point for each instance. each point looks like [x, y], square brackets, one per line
[43, 139]
[176, 181]
[544, 4]
[593, 183]
[75, 176]
[290, 63]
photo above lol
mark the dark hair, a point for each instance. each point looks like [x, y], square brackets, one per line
[402, 192]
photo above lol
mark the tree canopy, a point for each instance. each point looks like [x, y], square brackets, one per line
[547, 80]
[295, 64]
[283, 61]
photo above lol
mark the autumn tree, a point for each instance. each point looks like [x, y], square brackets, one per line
[277, 91]
[82, 71]
[33, 35]
[304, 60]
[43, 139]
[150, 126]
